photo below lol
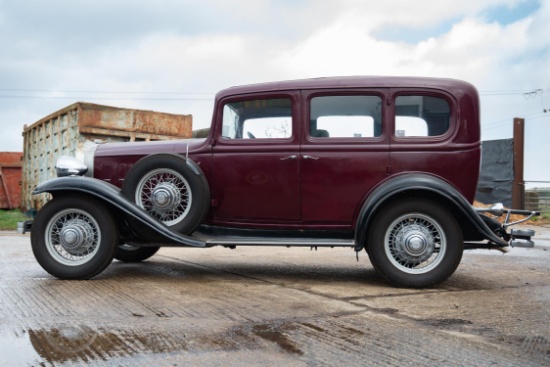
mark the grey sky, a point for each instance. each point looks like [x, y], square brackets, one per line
[131, 53]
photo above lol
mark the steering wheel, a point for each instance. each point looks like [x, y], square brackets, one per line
[250, 135]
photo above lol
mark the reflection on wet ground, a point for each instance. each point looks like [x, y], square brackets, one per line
[85, 345]
[82, 343]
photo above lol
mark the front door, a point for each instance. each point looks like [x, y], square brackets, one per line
[255, 161]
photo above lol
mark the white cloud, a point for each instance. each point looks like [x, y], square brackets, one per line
[189, 47]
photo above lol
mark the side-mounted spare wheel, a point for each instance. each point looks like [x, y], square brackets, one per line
[74, 237]
[415, 243]
[170, 189]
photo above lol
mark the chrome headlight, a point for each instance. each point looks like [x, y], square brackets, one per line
[69, 166]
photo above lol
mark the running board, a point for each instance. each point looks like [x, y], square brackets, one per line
[233, 241]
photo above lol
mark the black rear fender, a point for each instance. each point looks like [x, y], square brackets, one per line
[421, 185]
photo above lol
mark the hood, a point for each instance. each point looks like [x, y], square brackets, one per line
[148, 147]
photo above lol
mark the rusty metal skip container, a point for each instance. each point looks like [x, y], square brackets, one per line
[70, 130]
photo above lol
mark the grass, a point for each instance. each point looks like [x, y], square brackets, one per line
[544, 218]
[9, 219]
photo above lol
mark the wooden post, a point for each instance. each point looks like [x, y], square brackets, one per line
[518, 188]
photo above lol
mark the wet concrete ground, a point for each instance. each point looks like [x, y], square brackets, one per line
[274, 307]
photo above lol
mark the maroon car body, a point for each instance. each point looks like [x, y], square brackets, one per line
[385, 164]
[254, 186]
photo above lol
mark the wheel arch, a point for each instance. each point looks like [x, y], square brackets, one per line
[419, 185]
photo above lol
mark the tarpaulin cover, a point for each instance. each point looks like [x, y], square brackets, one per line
[497, 172]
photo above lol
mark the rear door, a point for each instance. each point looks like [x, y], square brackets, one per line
[344, 154]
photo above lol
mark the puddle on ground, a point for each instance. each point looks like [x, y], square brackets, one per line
[84, 344]
[80, 344]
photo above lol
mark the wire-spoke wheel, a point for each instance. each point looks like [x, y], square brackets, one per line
[74, 237]
[164, 194]
[170, 189]
[415, 243]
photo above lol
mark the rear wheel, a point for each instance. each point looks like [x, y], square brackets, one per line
[415, 243]
[132, 254]
[74, 237]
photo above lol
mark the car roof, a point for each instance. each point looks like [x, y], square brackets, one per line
[451, 85]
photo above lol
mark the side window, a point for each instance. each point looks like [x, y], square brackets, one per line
[258, 119]
[417, 116]
[346, 117]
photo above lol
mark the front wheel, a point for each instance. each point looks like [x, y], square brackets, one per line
[74, 237]
[415, 243]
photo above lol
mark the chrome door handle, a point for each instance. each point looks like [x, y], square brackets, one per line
[289, 157]
[310, 157]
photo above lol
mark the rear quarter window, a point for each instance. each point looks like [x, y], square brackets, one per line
[421, 116]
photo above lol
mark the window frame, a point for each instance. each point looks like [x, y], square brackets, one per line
[348, 93]
[293, 97]
[453, 113]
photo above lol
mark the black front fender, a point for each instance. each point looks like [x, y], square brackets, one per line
[418, 184]
[112, 196]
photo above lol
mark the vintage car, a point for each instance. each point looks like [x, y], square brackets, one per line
[388, 165]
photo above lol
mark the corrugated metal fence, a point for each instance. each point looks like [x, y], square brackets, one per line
[538, 199]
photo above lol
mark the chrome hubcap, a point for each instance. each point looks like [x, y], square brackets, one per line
[415, 243]
[72, 237]
[165, 196]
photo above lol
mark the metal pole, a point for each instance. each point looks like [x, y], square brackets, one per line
[518, 188]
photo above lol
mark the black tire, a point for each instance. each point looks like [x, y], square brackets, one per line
[415, 243]
[74, 237]
[168, 189]
[131, 254]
